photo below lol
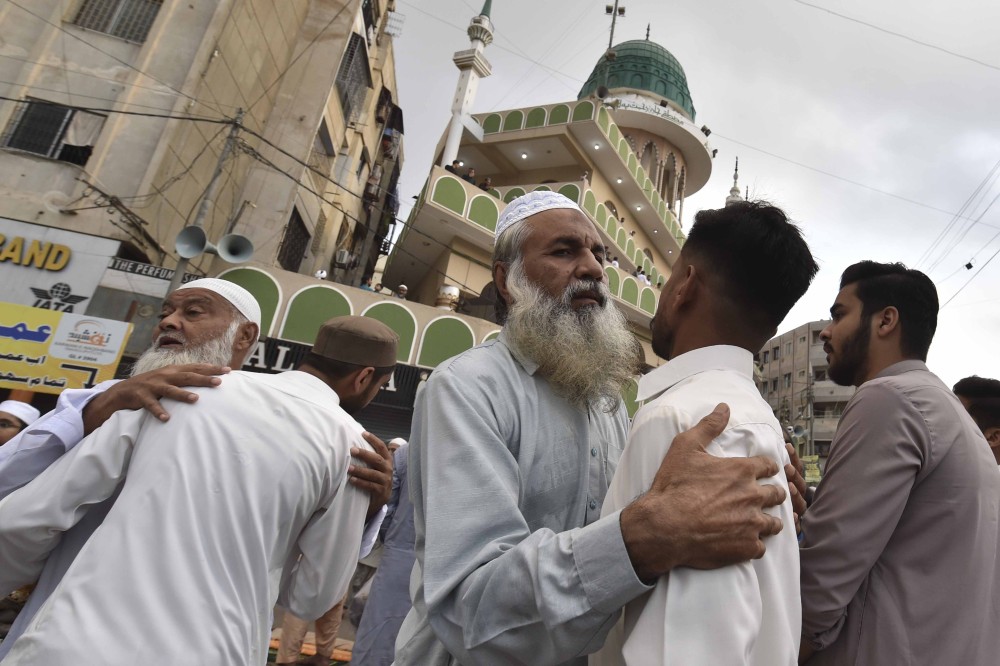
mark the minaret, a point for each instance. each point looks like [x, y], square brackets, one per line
[734, 191]
[472, 66]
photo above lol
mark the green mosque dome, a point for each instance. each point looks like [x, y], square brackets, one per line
[642, 65]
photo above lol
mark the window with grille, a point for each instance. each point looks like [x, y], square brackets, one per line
[294, 244]
[353, 78]
[53, 130]
[127, 19]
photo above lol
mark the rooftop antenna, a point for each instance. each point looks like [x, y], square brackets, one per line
[614, 12]
[647, 32]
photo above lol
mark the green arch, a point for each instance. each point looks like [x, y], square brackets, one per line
[495, 192]
[589, 202]
[624, 150]
[629, 397]
[559, 114]
[536, 118]
[647, 301]
[630, 250]
[309, 308]
[570, 191]
[621, 238]
[483, 212]
[632, 164]
[492, 123]
[542, 188]
[640, 176]
[264, 289]
[448, 192]
[630, 290]
[654, 275]
[656, 199]
[583, 111]
[492, 335]
[614, 279]
[513, 121]
[647, 265]
[399, 319]
[661, 208]
[601, 215]
[513, 193]
[603, 120]
[444, 338]
[614, 134]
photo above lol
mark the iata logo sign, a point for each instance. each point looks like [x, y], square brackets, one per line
[60, 298]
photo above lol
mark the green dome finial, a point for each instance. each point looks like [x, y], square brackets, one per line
[487, 6]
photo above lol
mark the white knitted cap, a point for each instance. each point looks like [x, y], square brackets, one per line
[530, 204]
[22, 410]
[240, 298]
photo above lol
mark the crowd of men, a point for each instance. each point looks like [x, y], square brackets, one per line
[528, 521]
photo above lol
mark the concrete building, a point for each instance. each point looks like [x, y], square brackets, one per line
[310, 177]
[627, 150]
[793, 379]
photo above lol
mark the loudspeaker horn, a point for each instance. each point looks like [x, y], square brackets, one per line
[233, 248]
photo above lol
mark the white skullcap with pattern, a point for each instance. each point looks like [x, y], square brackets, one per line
[240, 298]
[530, 204]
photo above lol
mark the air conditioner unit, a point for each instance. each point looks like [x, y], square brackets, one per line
[342, 257]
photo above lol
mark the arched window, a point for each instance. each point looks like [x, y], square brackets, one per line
[611, 208]
[647, 158]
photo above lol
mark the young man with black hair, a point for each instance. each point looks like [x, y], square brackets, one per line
[981, 398]
[741, 270]
[899, 551]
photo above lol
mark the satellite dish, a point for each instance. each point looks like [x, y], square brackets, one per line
[233, 248]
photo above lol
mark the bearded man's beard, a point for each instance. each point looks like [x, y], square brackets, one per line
[588, 355]
[214, 351]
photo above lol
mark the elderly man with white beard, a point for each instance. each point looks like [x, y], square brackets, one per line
[512, 449]
[206, 327]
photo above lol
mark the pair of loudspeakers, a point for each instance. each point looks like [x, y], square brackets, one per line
[234, 248]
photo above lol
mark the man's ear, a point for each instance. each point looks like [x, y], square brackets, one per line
[687, 288]
[500, 270]
[993, 437]
[887, 322]
[246, 337]
[363, 379]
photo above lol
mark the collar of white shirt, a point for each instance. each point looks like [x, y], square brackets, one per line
[716, 357]
[528, 364]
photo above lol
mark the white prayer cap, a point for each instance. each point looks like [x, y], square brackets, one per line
[22, 410]
[397, 441]
[530, 204]
[240, 298]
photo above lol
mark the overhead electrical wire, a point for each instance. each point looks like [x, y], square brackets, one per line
[102, 111]
[974, 275]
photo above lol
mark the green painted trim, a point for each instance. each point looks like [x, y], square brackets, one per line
[603, 120]
[570, 191]
[263, 287]
[630, 290]
[542, 188]
[589, 202]
[449, 193]
[559, 114]
[614, 279]
[601, 215]
[583, 111]
[484, 212]
[496, 193]
[491, 125]
[614, 135]
[513, 122]
[492, 335]
[624, 150]
[633, 164]
[309, 308]
[630, 250]
[443, 338]
[629, 397]
[647, 301]
[401, 320]
[513, 193]
[621, 238]
[536, 118]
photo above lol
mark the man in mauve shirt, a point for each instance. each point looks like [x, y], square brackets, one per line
[899, 554]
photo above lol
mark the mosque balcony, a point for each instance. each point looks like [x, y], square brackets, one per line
[451, 207]
[511, 138]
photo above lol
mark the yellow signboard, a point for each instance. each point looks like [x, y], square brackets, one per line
[813, 474]
[48, 351]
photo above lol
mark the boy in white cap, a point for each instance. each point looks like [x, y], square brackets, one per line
[224, 505]
[15, 416]
[207, 326]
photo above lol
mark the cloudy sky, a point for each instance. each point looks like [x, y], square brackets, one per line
[882, 146]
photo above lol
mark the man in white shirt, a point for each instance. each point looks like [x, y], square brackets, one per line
[224, 505]
[741, 270]
[205, 325]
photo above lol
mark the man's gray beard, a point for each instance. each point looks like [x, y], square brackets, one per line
[214, 351]
[588, 355]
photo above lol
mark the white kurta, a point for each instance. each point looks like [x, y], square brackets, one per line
[190, 557]
[746, 614]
